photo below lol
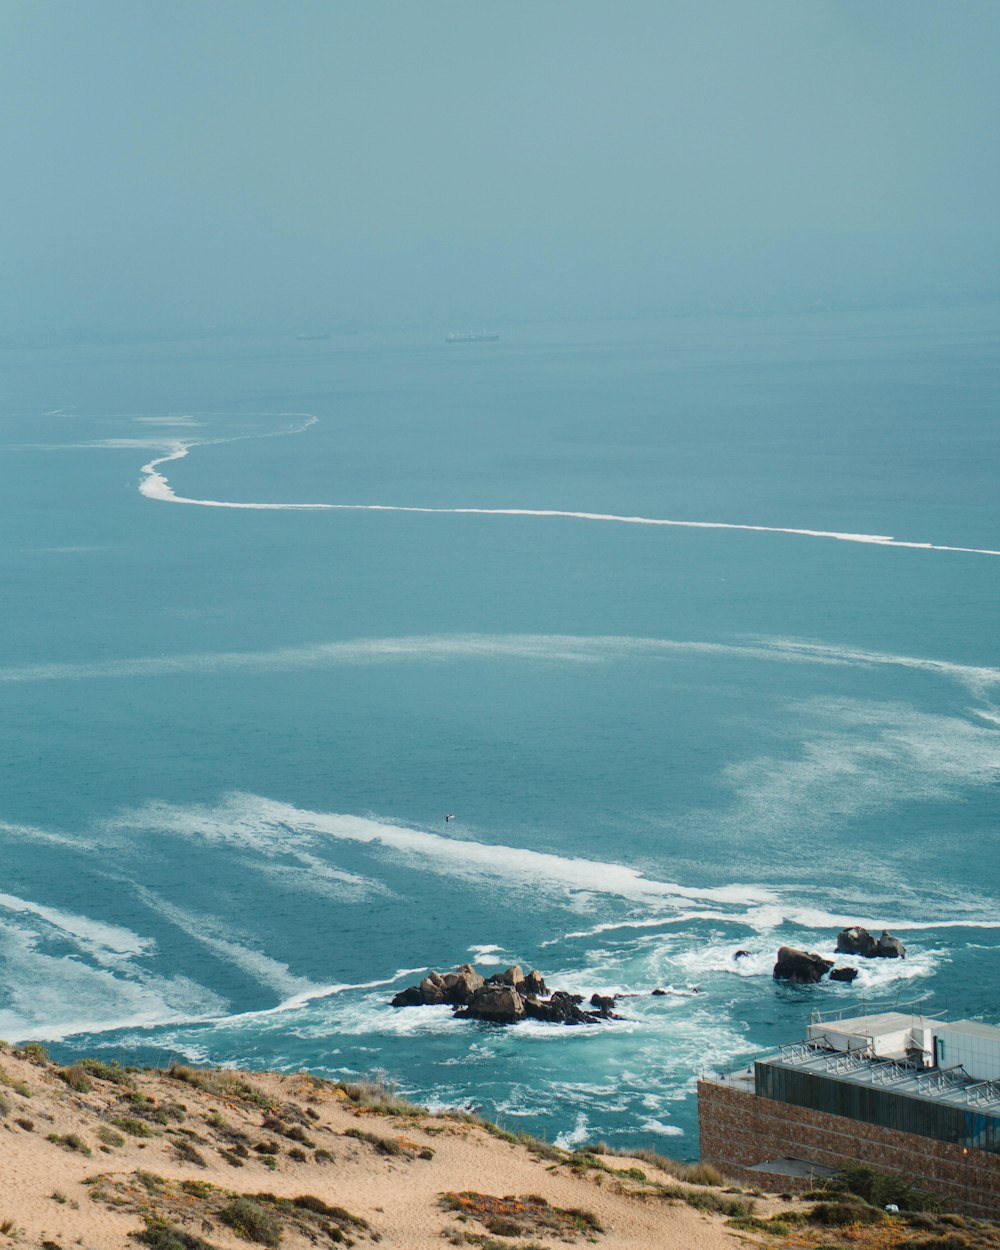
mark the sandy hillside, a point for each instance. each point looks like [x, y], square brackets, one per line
[94, 1156]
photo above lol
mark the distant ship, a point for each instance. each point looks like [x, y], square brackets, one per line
[472, 336]
[306, 338]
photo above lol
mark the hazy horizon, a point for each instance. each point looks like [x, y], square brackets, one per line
[198, 169]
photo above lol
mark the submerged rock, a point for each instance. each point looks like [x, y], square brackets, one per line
[741, 955]
[800, 967]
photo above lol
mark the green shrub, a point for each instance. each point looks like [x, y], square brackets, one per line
[298, 1154]
[169, 1113]
[943, 1241]
[198, 1189]
[101, 1071]
[186, 1152]
[135, 1128]
[881, 1188]
[160, 1234]
[309, 1202]
[384, 1145]
[70, 1141]
[109, 1136]
[4, 1106]
[150, 1181]
[76, 1078]
[700, 1174]
[35, 1052]
[377, 1092]
[250, 1220]
[840, 1213]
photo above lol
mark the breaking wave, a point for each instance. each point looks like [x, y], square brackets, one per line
[154, 485]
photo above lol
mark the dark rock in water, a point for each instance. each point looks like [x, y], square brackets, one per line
[563, 1008]
[890, 947]
[510, 976]
[605, 1004]
[843, 974]
[659, 993]
[856, 941]
[534, 984]
[410, 997]
[505, 998]
[741, 955]
[500, 1004]
[800, 967]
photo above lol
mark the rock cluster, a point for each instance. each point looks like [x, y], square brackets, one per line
[505, 998]
[858, 941]
[804, 968]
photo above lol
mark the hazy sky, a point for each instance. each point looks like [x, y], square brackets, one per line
[214, 163]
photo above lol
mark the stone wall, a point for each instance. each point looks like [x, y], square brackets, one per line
[739, 1129]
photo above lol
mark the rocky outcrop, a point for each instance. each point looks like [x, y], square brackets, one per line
[453, 988]
[843, 974]
[500, 1004]
[858, 941]
[800, 967]
[890, 947]
[504, 998]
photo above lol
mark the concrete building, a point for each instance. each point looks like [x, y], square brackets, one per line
[902, 1092]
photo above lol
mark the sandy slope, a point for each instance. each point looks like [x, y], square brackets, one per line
[398, 1195]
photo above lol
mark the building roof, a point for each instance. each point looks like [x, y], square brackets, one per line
[972, 1028]
[870, 1025]
[952, 1086]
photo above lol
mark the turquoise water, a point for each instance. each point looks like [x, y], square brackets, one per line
[231, 734]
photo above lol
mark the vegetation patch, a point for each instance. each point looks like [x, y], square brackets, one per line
[70, 1141]
[133, 1126]
[249, 1220]
[222, 1084]
[168, 1208]
[19, 1087]
[377, 1094]
[101, 1071]
[522, 1216]
[162, 1235]
[879, 1189]
[77, 1079]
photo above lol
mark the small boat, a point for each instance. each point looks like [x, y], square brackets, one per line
[472, 336]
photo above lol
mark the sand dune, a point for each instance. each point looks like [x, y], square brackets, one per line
[90, 1161]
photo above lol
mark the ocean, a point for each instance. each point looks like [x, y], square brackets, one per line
[232, 725]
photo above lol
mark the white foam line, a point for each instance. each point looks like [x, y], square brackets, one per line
[579, 649]
[254, 814]
[103, 938]
[254, 963]
[311, 995]
[154, 485]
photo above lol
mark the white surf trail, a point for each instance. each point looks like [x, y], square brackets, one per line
[154, 485]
